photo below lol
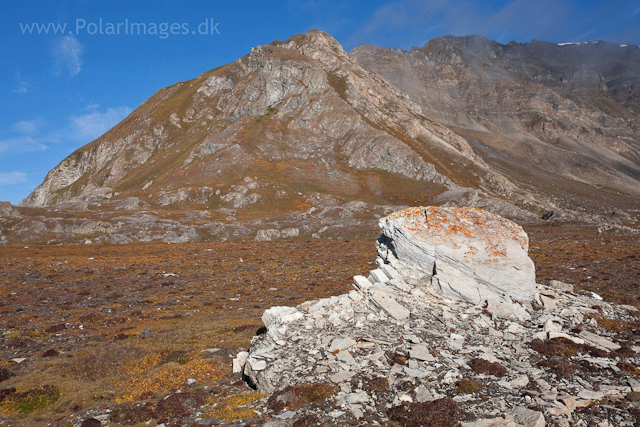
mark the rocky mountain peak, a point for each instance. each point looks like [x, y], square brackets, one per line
[316, 44]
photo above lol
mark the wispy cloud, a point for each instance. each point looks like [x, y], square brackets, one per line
[395, 23]
[21, 86]
[91, 125]
[27, 127]
[67, 52]
[33, 135]
[21, 144]
[10, 178]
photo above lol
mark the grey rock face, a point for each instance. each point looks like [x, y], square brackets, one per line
[6, 209]
[467, 254]
[421, 343]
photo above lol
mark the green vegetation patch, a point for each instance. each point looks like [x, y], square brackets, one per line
[32, 400]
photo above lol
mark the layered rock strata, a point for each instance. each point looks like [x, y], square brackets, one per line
[465, 253]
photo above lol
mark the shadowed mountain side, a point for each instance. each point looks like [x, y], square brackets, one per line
[558, 120]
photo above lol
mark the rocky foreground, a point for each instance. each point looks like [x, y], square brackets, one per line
[437, 335]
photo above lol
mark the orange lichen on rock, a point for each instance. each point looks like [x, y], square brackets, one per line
[470, 254]
[449, 224]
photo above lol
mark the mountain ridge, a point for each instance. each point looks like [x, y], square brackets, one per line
[298, 121]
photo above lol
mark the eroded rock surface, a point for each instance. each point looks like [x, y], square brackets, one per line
[393, 342]
[466, 253]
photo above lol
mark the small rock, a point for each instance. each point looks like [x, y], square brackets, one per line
[346, 357]
[286, 415]
[547, 302]
[576, 340]
[421, 352]
[356, 411]
[599, 341]
[339, 344]
[423, 394]
[257, 364]
[239, 361]
[560, 286]
[342, 376]
[390, 305]
[596, 296]
[520, 381]
[361, 282]
[634, 384]
[281, 315]
[550, 326]
[528, 417]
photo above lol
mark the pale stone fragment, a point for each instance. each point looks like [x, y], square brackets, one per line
[528, 417]
[280, 315]
[341, 344]
[362, 282]
[599, 341]
[239, 361]
[342, 376]
[390, 305]
[576, 340]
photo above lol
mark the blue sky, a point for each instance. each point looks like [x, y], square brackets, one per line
[61, 91]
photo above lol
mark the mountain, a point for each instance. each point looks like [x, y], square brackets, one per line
[301, 129]
[561, 120]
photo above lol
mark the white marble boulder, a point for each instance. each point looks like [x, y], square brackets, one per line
[466, 254]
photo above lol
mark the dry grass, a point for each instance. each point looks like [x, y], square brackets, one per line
[436, 413]
[483, 366]
[556, 347]
[47, 293]
[233, 407]
[468, 386]
[295, 397]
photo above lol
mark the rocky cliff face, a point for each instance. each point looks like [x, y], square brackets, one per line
[561, 120]
[296, 123]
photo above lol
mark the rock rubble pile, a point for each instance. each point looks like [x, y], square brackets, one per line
[440, 327]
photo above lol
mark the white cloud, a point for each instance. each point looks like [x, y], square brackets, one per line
[22, 86]
[31, 135]
[21, 144]
[92, 125]
[27, 127]
[10, 178]
[67, 53]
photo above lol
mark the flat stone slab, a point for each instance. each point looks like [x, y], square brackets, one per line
[341, 376]
[599, 341]
[390, 305]
[340, 344]
[421, 352]
[528, 417]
